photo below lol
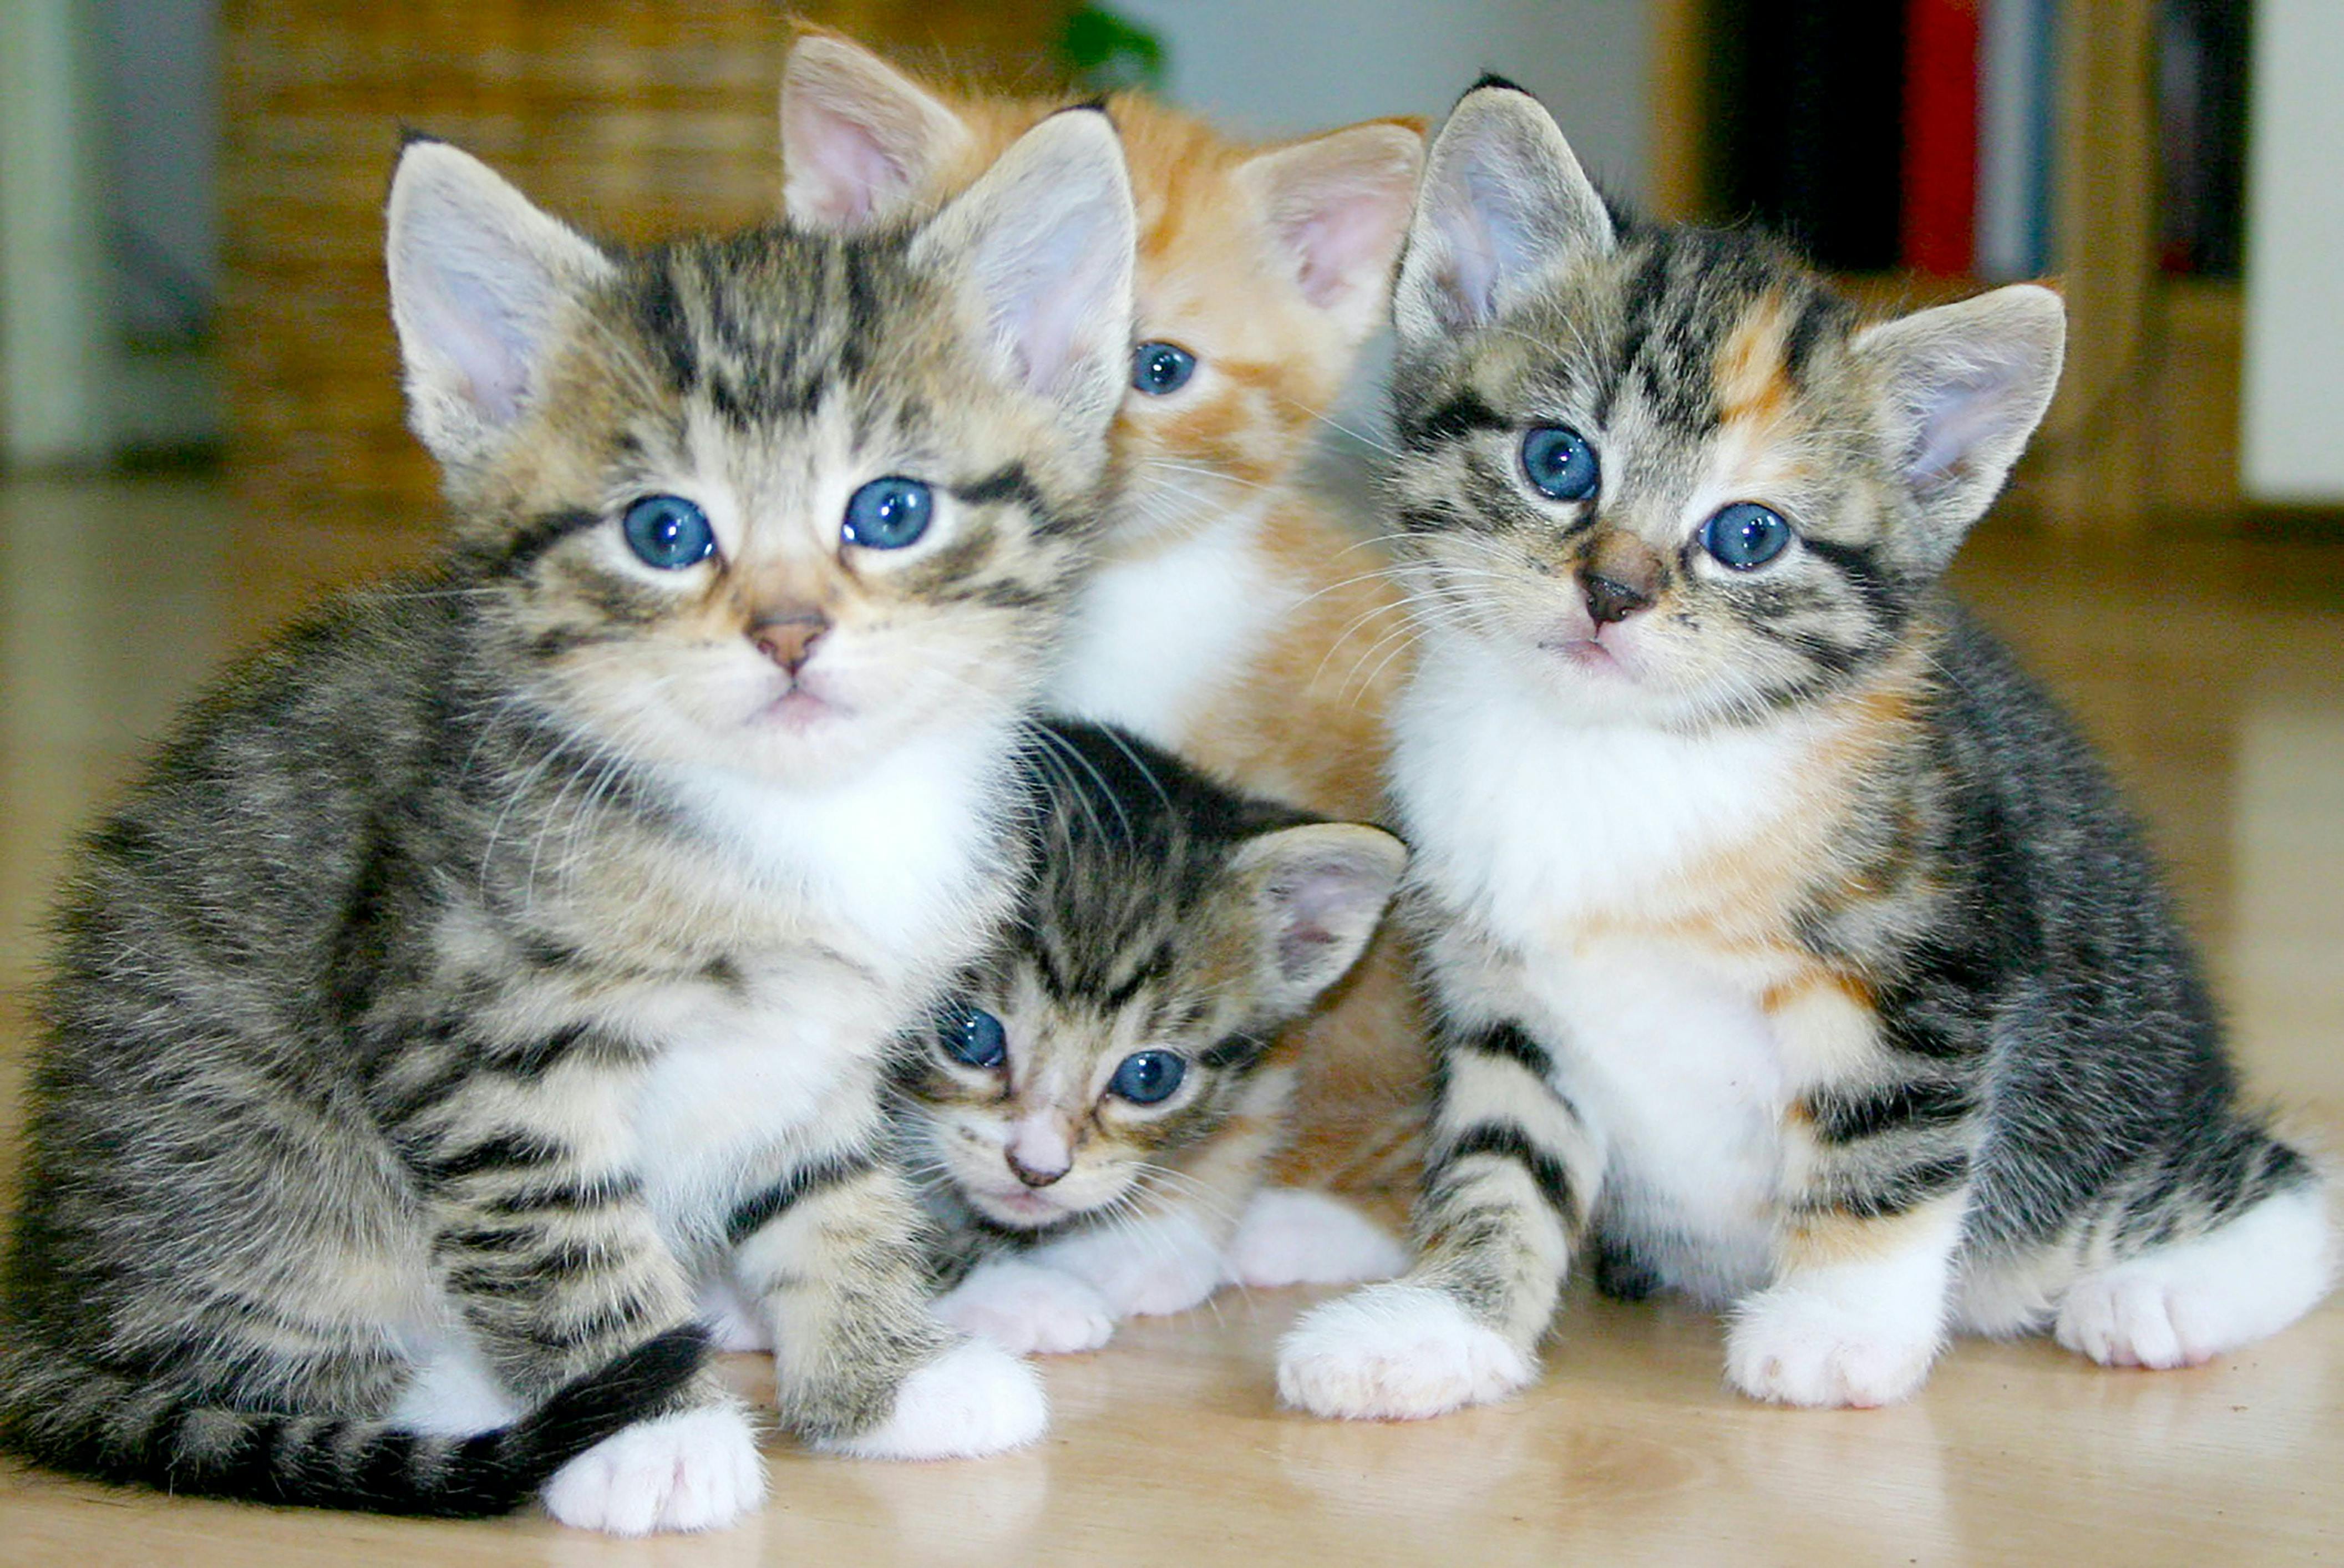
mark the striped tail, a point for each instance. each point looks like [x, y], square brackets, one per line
[111, 1428]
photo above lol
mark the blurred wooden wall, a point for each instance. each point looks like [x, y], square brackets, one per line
[634, 120]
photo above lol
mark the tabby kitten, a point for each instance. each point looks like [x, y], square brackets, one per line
[1786, 941]
[1238, 617]
[1094, 1112]
[392, 1103]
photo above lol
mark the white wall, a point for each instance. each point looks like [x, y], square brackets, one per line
[2293, 402]
[1280, 66]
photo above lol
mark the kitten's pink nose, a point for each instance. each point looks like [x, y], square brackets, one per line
[788, 639]
[1608, 600]
[1030, 1175]
[1620, 576]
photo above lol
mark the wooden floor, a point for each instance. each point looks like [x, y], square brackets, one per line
[2209, 668]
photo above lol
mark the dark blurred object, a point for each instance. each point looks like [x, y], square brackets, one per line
[2201, 110]
[633, 121]
[1809, 122]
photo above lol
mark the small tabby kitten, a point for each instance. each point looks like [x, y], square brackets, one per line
[1789, 946]
[505, 951]
[1238, 617]
[1095, 1116]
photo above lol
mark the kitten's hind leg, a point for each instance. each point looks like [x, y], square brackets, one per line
[2188, 1301]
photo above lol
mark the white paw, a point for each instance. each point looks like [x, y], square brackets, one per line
[1797, 1345]
[1141, 1268]
[1396, 1352]
[734, 1321]
[1290, 1237]
[2182, 1305]
[2126, 1321]
[975, 1399]
[698, 1470]
[1025, 1308]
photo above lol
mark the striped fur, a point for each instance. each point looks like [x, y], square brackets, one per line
[1791, 949]
[503, 952]
[1165, 913]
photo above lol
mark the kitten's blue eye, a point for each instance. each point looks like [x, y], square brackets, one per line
[888, 513]
[669, 533]
[1745, 535]
[1145, 1078]
[1157, 369]
[1558, 460]
[977, 1038]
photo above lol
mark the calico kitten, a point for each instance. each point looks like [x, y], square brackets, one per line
[1097, 1111]
[393, 1098]
[1237, 619]
[1785, 940]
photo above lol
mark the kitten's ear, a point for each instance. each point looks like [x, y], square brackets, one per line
[860, 142]
[1039, 251]
[477, 278]
[1503, 200]
[1964, 385]
[1316, 892]
[1339, 203]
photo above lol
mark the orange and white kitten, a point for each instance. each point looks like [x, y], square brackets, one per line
[1237, 619]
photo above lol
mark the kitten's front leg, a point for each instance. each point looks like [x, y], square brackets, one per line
[837, 1254]
[1878, 1183]
[555, 1265]
[1511, 1173]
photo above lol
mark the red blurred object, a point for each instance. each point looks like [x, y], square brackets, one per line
[1938, 230]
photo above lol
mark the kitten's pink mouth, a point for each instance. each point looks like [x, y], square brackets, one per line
[799, 709]
[1587, 653]
[1022, 1208]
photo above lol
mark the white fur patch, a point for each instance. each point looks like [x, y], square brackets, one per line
[1290, 1237]
[732, 1319]
[1849, 1334]
[1396, 1352]
[451, 1392]
[1147, 1267]
[2182, 1305]
[976, 1399]
[699, 1470]
[1534, 820]
[1026, 1308]
[1154, 635]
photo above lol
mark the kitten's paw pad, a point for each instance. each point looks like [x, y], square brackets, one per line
[698, 1470]
[1291, 1237]
[732, 1319]
[1396, 1352]
[1026, 1308]
[975, 1399]
[1797, 1347]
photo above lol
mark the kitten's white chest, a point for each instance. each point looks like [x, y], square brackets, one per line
[869, 895]
[1153, 637]
[1564, 848]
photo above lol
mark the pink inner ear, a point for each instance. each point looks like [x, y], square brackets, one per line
[1341, 241]
[839, 172]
